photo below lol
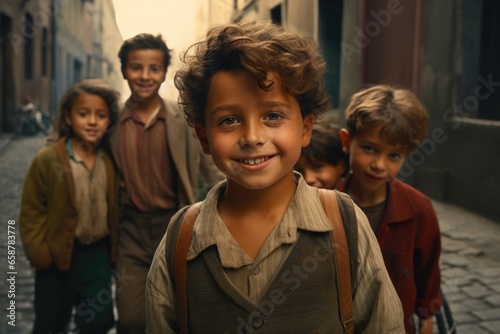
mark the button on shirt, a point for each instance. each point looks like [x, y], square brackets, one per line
[90, 195]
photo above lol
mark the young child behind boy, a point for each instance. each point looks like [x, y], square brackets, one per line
[69, 215]
[383, 125]
[252, 92]
[323, 163]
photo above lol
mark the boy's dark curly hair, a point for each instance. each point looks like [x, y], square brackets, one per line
[259, 48]
[325, 145]
[142, 42]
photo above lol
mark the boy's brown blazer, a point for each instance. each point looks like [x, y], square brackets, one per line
[185, 149]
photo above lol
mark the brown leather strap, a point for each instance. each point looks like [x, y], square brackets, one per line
[341, 256]
[180, 258]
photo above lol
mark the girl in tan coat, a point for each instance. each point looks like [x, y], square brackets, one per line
[68, 216]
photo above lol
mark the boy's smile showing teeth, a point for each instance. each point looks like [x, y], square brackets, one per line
[92, 132]
[254, 161]
[145, 72]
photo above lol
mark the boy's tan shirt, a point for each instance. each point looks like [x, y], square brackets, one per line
[377, 308]
[90, 196]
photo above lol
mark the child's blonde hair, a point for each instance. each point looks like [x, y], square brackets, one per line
[86, 86]
[260, 48]
[403, 119]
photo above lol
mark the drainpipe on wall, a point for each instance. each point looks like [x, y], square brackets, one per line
[53, 33]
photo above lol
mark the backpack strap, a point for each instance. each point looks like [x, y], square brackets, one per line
[341, 256]
[180, 263]
[350, 220]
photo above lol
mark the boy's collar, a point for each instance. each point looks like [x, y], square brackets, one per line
[71, 152]
[398, 205]
[128, 113]
[305, 204]
[69, 147]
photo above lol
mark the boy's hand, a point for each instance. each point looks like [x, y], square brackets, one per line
[425, 326]
[42, 259]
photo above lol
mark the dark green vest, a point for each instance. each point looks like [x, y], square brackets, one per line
[302, 298]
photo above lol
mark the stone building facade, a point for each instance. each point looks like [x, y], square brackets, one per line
[47, 45]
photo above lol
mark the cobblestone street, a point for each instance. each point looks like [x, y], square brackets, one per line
[14, 163]
[470, 261]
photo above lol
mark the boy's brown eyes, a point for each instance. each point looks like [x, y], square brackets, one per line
[273, 116]
[395, 156]
[228, 121]
[140, 68]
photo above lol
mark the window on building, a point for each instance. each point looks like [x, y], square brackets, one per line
[276, 15]
[489, 65]
[7, 89]
[390, 44]
[29, 34]
[330, 38]
[44, 51]
[89, 66]
[77, 70]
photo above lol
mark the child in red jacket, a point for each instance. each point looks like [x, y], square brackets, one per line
[383, 126]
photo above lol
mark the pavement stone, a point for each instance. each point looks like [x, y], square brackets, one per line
[489, 314]
[494, 300]
[456, 260]
[492, 326]
[470, 259]
[471, 251]
[489, 281]
[472, 329]
[465, 318]
[5, 140]
[477, 291]
[491, 272]
[496, 287]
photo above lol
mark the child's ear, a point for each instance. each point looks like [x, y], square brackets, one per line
[307, 129]
[341, 167]
[123, 73]
[67, 118]
[345, 139]
[202, 137]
